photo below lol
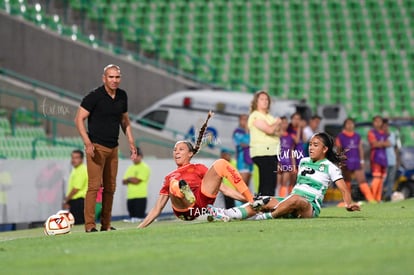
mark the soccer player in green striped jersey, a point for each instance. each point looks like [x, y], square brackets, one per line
[315, 173]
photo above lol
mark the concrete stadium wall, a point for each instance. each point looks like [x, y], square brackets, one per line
[38, 192]
[57, 60]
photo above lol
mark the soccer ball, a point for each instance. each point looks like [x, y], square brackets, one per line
[397, 196]
[57, 225]
[68, 215]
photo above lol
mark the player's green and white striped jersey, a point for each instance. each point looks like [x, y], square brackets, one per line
[314, 178]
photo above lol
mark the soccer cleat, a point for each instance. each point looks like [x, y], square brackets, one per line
[186, 191]
[216, 213]
[259, 202]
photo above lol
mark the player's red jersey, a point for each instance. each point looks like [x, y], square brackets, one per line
[191, 173]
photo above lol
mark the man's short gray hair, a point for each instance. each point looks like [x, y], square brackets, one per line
[110, 66]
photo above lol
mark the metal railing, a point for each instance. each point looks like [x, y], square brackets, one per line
[39, 84]
[30, 99]
[38, 119]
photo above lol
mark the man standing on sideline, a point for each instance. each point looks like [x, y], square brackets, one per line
[106, 108]
[136, 178]
[77, 187]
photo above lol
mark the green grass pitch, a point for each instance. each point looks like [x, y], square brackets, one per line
[377, 240]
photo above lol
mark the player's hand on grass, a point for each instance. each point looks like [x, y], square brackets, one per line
[353, 207]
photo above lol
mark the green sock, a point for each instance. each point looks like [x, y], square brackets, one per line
[243, 212]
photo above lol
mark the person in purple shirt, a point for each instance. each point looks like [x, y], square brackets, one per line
[350, 142]
[378, 141]
[287, 162]
[295, 129]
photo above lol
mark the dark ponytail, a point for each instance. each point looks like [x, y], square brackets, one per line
[201, 133]
[195, 149]
[337, 158]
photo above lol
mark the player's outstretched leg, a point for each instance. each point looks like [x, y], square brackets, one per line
[224, 169]
[235, 213]
[242, 212]
[294, 205]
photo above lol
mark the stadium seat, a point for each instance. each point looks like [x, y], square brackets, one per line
[325, 51]
[407, 136]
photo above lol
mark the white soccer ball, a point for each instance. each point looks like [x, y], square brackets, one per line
[56, 225]
[68, 215]
[397, 196]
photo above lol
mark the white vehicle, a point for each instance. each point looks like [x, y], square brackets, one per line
[180, 115]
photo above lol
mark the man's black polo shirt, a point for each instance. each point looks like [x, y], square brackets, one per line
[105, 115]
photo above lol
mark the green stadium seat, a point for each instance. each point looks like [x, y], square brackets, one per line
[407, 136]
[78, 4]
[329, 51]
[96, 11]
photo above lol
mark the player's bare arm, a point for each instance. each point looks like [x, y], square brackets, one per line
[349, 204]
[155, 211]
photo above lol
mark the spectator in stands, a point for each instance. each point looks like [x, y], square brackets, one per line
[241, 139]
[350, 143]
[392, 153]
[136, 179]
[264, 141]
[287, 162]
[378, 141]
[191, 187]
[77, 187]
[106, 109]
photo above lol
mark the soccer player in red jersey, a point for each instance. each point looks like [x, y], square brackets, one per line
[191, 187]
